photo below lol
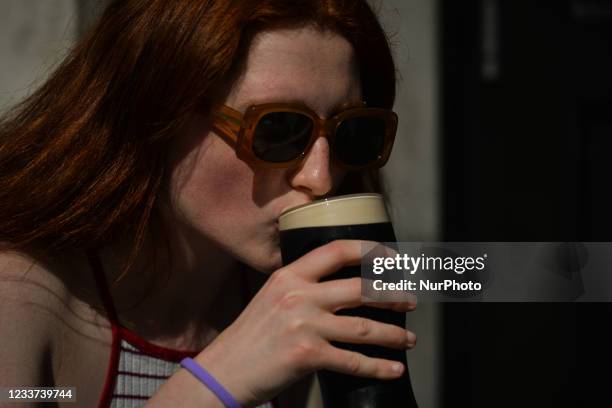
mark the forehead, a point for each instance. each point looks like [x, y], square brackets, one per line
[304, 65]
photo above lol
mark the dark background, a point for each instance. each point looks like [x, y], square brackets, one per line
[527, 144]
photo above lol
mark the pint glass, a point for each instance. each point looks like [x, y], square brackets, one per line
[355, 216]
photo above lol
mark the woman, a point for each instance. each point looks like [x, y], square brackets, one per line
[132, 221]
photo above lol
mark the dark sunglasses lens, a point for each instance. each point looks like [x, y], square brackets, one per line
[281, 136]
[360, 140]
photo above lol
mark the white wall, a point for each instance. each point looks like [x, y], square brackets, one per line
[411, 174]
[34, 36]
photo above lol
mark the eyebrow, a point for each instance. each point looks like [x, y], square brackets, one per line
[345, 106]
[337, 108]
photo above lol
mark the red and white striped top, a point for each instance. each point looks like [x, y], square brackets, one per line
[137, 368]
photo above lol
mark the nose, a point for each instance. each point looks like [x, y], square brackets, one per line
[314, 176]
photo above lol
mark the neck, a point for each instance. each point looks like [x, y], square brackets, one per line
[180, 292]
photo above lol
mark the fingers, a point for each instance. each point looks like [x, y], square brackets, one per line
[341, 294]
[327, 259]
[357, 364]
[359, 330]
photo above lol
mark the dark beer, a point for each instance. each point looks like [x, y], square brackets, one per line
[356, 216]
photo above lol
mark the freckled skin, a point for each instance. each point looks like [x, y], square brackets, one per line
[218, 196]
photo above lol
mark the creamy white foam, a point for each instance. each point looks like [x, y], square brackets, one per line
[352, 209]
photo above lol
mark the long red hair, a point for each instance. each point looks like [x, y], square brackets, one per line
[82, 159]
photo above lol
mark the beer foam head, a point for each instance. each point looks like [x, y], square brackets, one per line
[352, 209]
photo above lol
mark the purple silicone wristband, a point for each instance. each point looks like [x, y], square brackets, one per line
[209, 381]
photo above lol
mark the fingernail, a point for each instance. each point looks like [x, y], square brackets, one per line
[397, 367]
[410, 338]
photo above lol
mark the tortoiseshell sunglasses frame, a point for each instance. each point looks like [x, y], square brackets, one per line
[239, 129]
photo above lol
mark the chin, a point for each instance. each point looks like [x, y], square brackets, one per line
[268, 264]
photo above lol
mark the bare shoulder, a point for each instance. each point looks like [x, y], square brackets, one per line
[29, 283]
[31, 304]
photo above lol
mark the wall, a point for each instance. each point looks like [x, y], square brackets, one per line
[412, 171]
[34, 36]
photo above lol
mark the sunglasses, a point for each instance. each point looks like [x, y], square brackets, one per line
[280, 135]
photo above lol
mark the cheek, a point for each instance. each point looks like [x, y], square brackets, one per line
[214, 196]
[220, 195]
[212, 184]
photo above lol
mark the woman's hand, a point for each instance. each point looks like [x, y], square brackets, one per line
[285, 331]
